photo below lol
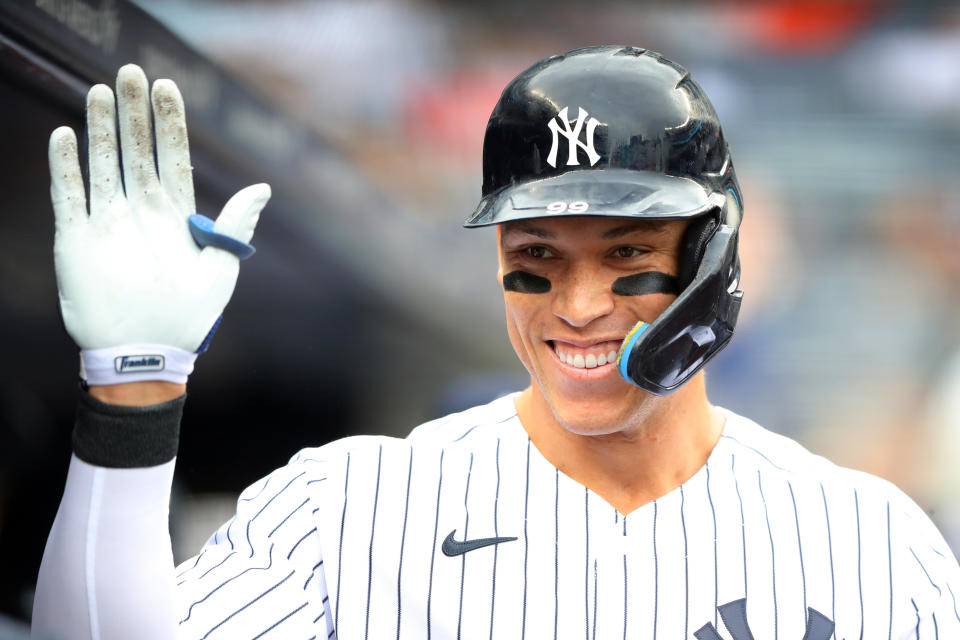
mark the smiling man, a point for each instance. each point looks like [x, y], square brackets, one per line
[580, 412]
[609, 499]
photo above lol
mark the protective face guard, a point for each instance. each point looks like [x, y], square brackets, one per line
[696, 326]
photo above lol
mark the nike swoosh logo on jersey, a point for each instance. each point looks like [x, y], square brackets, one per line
[453, 547]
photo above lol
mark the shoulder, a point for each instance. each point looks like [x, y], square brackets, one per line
[354, 480]
[378, 455]
[857, 501]
[756, 448]
[496, 418]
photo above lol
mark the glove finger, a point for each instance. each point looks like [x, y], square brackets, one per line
[240, 214]
[66, 182]
[136, 134]
[237, 220]
[105, 184]
[173, 149]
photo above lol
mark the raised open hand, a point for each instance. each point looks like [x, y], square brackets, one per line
[132, 281]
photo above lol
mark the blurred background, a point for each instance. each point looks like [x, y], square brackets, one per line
[367, 309]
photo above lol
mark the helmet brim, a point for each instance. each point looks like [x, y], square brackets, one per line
[609, 193]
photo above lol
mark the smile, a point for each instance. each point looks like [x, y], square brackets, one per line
[590, 356]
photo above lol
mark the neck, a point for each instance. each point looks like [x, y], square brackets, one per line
[630, 465]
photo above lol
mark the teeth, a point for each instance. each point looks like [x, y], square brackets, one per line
[588, 361]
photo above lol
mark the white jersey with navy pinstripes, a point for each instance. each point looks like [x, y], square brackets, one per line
[765, 541]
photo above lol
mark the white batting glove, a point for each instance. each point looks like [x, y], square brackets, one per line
[137, 294]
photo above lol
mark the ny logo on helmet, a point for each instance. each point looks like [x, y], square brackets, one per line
[573, 137]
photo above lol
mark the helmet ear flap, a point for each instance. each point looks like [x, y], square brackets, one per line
[692, 245]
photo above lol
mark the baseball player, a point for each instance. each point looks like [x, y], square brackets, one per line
[609, 499]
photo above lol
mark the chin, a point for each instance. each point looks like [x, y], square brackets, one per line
[598, 417]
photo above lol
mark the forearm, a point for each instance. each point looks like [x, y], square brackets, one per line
[107, 570]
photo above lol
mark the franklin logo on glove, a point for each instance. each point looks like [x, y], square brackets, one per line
[134, 364]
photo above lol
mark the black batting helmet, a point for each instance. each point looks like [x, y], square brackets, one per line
[624, 132]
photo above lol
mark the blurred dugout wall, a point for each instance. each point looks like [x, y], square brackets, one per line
[310, 349]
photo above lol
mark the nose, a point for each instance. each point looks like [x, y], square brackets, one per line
[582, 296]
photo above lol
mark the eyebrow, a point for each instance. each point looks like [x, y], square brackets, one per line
[654, 226]
[532, 230]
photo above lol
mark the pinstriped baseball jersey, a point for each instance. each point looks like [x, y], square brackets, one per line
[464, 530]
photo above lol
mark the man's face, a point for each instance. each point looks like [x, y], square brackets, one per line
[568, 337]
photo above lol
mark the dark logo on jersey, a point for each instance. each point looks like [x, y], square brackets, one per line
[734, 614]
[453, 547]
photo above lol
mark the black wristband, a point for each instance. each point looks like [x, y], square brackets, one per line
[109, 435]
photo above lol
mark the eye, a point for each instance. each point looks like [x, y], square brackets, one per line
[538, 251]
[628, 252]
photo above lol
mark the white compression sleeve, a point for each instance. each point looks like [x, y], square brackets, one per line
[107, 571]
